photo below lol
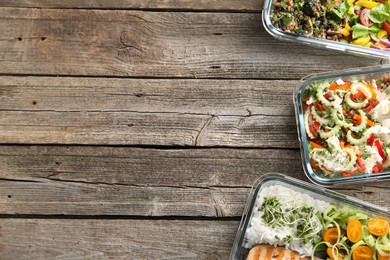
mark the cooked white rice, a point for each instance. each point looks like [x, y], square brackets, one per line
[259, 232]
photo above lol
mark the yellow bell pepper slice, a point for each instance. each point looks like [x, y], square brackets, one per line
[351, 10]
[366, 3]
[380, 45]
[345, 32]
[347, 27]
[381, 34]
[350, 2]
[362, 41]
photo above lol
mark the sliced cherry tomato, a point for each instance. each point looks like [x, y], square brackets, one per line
[386, 27]
[329, 251]
[378, 226]
[364, 20]
[362, 253]
[382, 1]
[354, 230]
[330, 235]
[370, 140]
[360, 163]
[383, 257]
[380, 150]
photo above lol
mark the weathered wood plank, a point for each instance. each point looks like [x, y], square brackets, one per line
[144, 182]
[115, 239]
[186, 5]
[154, 44]
[249, 113]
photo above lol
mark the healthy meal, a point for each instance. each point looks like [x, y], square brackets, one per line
[287, 224]
[358, 22]
[347, 125]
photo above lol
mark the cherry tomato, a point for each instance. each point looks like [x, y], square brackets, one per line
[362, 253]
[386, 27]
[329, 251]
[378, 227]
[364, 20]
[331, 235]
[383, 257]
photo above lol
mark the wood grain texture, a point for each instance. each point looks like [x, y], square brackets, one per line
[184, 5]
[246, 113]
[154, 44]
[115, 239]
[47, 180]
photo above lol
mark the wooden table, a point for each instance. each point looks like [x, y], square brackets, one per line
[135, 129]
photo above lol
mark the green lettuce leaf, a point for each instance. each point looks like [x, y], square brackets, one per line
[359, 30]
[379, 13]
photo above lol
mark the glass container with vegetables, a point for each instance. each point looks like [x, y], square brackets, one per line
[343, 123]
[356, 26]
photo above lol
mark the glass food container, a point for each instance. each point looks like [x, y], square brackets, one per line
[322, 42]
[240, 252]
[314, 175]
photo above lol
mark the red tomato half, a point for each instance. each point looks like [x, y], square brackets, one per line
[364, 17]
[386, 27]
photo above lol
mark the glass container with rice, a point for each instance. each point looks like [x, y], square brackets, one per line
[289, 219]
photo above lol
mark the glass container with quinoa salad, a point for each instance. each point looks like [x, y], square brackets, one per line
[343, 123]
[356, 26]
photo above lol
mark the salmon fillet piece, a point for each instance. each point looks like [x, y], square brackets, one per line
[267, 252]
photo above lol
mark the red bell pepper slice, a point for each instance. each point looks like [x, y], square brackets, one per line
[360, 163]
[327, 95]
[319, 107]
[380, 150]
[370, 140]
[378, 168]
[348, 174]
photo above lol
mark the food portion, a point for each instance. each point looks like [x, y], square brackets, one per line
[347, 125]
[359, 22]
[287, 224]
[267, 252]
